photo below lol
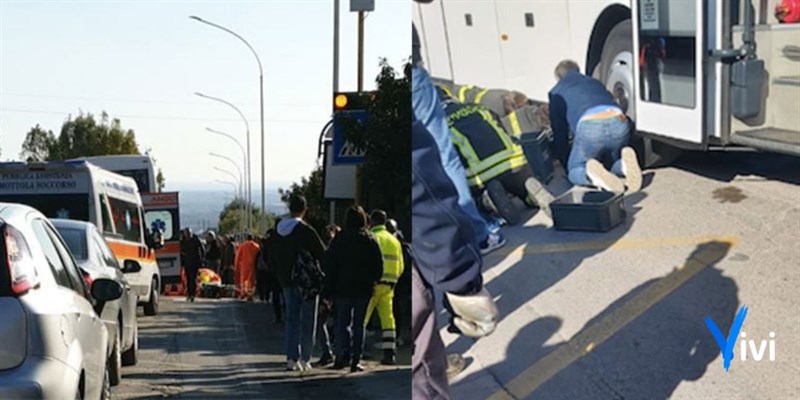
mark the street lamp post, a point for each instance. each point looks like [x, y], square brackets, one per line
[261, 109]
[236, 194]
[249, 170]
[235, 165]
[244, 156]
[239, 182]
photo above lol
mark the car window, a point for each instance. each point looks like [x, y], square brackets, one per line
[51, 254]
[76, 241]
[69, 263]
[104, 251]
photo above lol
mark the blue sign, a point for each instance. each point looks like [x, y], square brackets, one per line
[344, 152]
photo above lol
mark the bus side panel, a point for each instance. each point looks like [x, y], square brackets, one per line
[474, 48]
[430, 25]
[537, 38]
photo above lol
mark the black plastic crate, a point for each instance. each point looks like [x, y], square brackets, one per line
[583, 209]
[536, 146]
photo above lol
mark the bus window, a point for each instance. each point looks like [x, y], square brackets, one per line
[108, 226]
[141, 176]
[63, 206]
[667, 35]
[164, 220]
[127, 219]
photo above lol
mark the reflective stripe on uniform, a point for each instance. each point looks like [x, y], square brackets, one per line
[515, 128]
[389, 278]
[491, 173]
[446, 90]
[479, 96]
[462, 93]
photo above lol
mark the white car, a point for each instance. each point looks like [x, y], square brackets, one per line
[53, 344]
[96, 260]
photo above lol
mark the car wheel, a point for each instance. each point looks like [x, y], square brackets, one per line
[106, 392]
[115, 361]
[131, 356]
[616, 66]
[151, 308]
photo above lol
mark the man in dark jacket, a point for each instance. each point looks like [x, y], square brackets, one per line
[294, 237]
[213, 252]
[192, 255]
[581, 104]
[353, 266]
[446, 259]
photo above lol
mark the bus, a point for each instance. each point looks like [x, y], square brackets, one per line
[693, 74]
[138, 167]
[158, 206]
[82, 191]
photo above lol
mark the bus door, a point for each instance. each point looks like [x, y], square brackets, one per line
[161, 211]
[671, 72]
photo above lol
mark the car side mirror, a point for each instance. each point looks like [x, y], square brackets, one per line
[104, 290]
[131, 266]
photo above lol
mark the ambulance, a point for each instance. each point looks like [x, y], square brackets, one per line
[82, 191]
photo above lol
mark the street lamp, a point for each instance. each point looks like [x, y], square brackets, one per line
[261, 108]
[244, 156]
[249, 171]
[239, 182]
[231, 161]
[236, 195]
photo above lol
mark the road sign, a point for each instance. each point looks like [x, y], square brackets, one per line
[344, 152]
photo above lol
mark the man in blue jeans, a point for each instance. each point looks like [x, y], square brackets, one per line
[428, 110]
[599, 156]
[293, 236]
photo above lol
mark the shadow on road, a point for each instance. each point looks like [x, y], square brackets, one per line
[640, 347]
[725, 166]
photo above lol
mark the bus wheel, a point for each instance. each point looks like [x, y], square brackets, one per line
[151, 308]
[617, 66]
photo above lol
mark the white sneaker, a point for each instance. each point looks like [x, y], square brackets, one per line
[292, 365]
[631, 170]
[306, 366]
[602, 178]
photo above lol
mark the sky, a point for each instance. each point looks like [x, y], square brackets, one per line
[142, 62]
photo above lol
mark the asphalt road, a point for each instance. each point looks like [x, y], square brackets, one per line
[227, 349]
[620, 315]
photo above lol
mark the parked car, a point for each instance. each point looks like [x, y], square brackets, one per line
[53, 343]
[96, 260]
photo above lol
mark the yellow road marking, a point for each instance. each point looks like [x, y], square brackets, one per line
[621, 244]
[589, 338]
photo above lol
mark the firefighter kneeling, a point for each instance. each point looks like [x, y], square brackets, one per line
[382, 299]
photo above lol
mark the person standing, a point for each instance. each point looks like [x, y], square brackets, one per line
[326, 309]
[297, 242]
[274, 290]
[262, 281]
[353, 266]
[382, 299]
[582, 105]
[445, 258]
[192, 257]
[213, 252]
[227, 260]
[246, 258]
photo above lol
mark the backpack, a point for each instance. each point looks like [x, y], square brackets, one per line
[307, 275]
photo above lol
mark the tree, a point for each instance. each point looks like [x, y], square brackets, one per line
[386, 137]
[311, 188]
[80, 137]
[230, 218]
[37, 144]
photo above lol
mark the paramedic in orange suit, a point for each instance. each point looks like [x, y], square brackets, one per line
[245, 267]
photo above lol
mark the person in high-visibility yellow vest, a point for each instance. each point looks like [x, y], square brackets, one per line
[382, 299]
[499, 101]
[494, 163]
